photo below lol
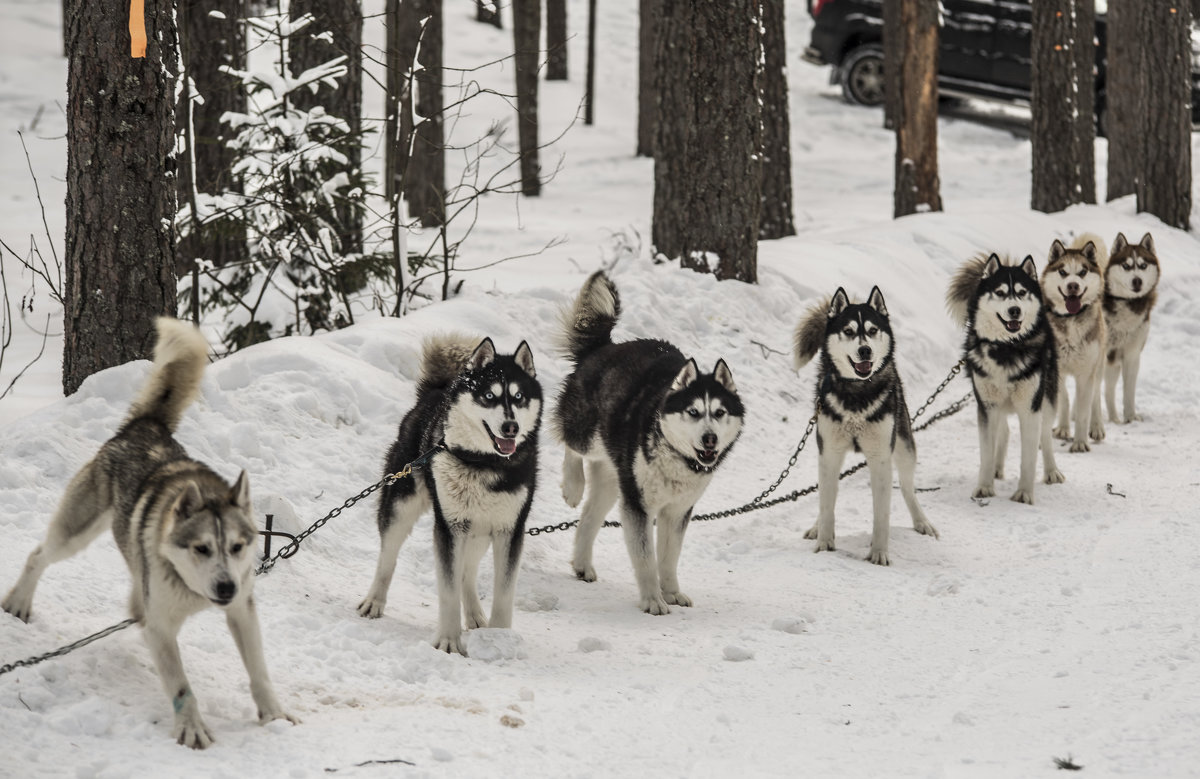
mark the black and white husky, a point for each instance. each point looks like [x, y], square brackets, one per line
[481, 411]
[860, 406]
[649, 429]
[1131, 289]
[1011, 360]
[186, 534]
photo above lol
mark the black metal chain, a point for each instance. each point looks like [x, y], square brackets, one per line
[108, 631]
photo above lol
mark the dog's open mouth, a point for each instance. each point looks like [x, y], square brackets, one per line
[504, 446]
[1011, 325]
[1073, 302]
[863, 369]
[706, 456]
[222, 601]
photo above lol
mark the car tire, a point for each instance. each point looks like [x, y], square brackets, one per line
[861, 75]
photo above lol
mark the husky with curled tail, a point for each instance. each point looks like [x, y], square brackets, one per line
[480, 411]
[649, 430]
[861, 407]
[187, 535]
[1012, 363]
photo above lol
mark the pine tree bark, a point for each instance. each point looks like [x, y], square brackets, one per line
[211, 35]
[403, 34]
[913, 81]
[556, 40]
[120, 239]
[527, 28]
[775, 215]
[1164, 185]
[1063, 110]
[589, 89]
[707, 158]
[343, 19]
[1125, 92]
[425, 184]
[648, 24]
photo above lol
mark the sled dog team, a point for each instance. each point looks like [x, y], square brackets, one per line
[643, 428]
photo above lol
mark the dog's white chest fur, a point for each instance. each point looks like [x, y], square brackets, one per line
[666, 481]
[996, 388]
[1080, 342]
[1125, 328]
[871, 438]
[467, 497]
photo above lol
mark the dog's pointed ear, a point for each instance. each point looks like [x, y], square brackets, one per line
[240, 494]
[991, 266]
[876, 301]
[1089, 251]
[839, 302]
[687, 374]
[1120, 243]
[1057, 250]
[1028, 266]
[483, 355]
[1147, 243]
[524, 358]
[724, 376]
[188, 502]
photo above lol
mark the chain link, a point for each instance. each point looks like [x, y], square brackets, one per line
[108, 631]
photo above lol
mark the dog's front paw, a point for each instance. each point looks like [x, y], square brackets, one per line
[572, 492]
[1000, 471]
[1023, 496]
[677, 598]
[585, 573]
[923, 527]
[1055, 476]
[1062, 432]
[811, 533]
[1080, 446]
[192, 732]
[371, 608]
[276, 713]
[475, 619]
[825, 545]
[18, 605]
[654, 604]
[879, 557]
[451, 644]
[984, 491]
[1096, 430]
[1133, 417]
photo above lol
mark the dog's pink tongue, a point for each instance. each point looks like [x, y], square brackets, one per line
[1074, 303]
[506, 445]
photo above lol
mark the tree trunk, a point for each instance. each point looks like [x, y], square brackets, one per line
[648, 23]
[1124, 96]
[589, 90]
[1064, 131]
[488, 12]
[343, 19]
[1164, 185]
[120, 242]
[527, 28]
[708, 176]
[893, 47]
[775, 216]
[207, 42]
[556, 40]
[915, 106]
[425, 184]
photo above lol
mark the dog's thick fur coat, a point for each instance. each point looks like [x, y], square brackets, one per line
[1131, 290]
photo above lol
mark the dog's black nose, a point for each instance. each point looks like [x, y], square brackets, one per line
[509, 428]
[709, 440]
[226, 590]
[1137, 284]
[1073, 288]
[864, 353]
[1014, 313]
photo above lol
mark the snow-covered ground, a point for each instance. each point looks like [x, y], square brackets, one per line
[1068, 628]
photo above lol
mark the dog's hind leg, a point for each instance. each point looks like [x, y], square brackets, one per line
[602, 495]
[1063, 428]
[671, 526]
[160, 633]
[572, 477]
[83, 513]
[396, 519]
[449, 548]
[906, 467]
[1112, 372]
[506, 558]
[1130, 366]
[473, 549]
[1050, 472]
[989, 432]
[242, 619]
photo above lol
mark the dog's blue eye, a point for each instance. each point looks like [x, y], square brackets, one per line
[693, 413]
[1083, 273]
[1062, 272]
[490, 396]
[202, 550]
[516, 396]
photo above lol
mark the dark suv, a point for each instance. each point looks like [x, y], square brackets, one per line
[984, 50]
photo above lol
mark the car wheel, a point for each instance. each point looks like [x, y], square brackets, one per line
[862, 75]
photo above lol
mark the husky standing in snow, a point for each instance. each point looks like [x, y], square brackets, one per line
[860, 406]
[1131, 289]
[187, 535]
[480, 410]
[1073, 286]
[1013, 366]
[649, 429]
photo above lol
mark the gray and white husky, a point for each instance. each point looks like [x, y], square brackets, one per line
[1011, 360]
[860, 407]
[649, 429]
[1073, 286]
[1131, 289]
[187, 535]
[481, 411]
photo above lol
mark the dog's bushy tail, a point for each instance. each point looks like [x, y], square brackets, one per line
[444, 357]
[180, 356]
[963, 285]
[810, 334]
[589, 323]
